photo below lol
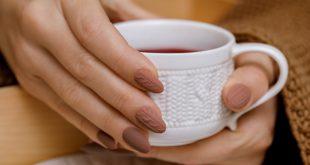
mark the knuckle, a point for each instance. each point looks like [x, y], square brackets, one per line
[90, 28]
[121, 101]
[61, 107]
[32, 16]
[104, 120]
[23, 57]
[72, 93]
[83, 68]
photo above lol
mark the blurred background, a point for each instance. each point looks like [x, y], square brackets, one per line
[201, 10]
[31, 132]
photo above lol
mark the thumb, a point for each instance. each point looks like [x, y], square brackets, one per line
[250, 80]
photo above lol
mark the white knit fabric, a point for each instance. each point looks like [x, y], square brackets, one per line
[193, 97]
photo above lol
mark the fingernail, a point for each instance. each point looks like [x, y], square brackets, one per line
[238, 96]
[107, 140]
[148, 80]
[151, 120]
[134, 138]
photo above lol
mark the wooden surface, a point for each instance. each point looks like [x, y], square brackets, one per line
[31, 132]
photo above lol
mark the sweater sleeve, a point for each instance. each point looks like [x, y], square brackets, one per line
[286, 25]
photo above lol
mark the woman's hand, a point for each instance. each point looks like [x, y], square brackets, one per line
[248, 144]
[69, 55]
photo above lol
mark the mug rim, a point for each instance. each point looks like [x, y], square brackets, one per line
[229, 35]
[190, 60]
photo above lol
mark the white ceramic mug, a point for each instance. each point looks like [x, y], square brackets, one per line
[191, 104]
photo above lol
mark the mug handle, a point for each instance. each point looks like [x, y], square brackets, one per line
[275, 54]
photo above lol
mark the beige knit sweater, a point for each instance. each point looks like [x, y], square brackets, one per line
[286, 25]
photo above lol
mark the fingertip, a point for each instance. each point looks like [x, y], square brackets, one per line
[148, 80]
[150, 119]
[138, 141]
[246, 85]
[107, 140]
[237, 97]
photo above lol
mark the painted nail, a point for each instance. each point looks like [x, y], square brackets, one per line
[107, 140]
[149, 118]
[238, 96]
[148, 80]
[134, 138]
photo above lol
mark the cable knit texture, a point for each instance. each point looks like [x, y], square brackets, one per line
[286, 25]
[193, 97]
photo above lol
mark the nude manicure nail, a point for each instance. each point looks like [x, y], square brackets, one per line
[134, 138]
[238, 96]
[107, 140]
[151, 120]
[146, 79]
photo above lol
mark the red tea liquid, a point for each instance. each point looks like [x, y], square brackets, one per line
[167, 50]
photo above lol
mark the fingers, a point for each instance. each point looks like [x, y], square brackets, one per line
[41, 91]
[249, 81]
[95, 32]
[86, 103]
[95, 110]
[253, 137]
[89, 129]
[207, 151]
[245, 86]
[123, 10]
[131, 102]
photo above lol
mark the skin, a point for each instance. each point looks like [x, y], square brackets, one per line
[63, 51]
[255, 129]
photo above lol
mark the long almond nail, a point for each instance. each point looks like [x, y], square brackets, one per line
[134, 138]
[107, 140]
[151, 120]
[238, 96]
[146, 79]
